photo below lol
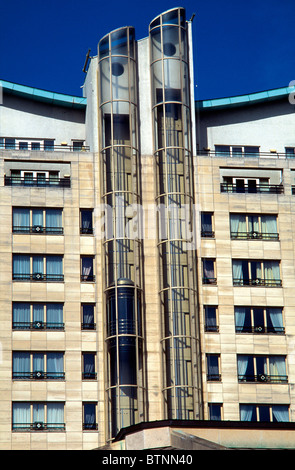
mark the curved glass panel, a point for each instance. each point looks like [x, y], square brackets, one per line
[122, 253]
[173, 156]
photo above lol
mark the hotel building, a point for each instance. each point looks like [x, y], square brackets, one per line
[146, 257]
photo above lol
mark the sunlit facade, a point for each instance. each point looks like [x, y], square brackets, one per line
[146, 257]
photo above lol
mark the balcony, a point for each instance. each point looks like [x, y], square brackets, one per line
[38, 277]
[38, 375]
[37, 229]
[252, 189]
[258, 282]
[37, 325]
[37, 182]
[38, 426]
[254, 236]
[263, 378]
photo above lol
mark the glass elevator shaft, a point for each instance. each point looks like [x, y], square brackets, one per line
[173, 156]
[122, 252]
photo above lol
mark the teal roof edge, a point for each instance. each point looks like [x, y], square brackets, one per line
[44, 96]
[243, 100]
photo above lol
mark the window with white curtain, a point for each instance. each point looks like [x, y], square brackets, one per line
[267, 369]
[38, 416]
[265, 413]
[88, 322]
[37, 316]
[87, 268]
[256, 273]
[86, 221]
[209, 271]
[210, 314]
[213, 367]
[255, 226]
[37, 365]
[89, 416]
[259, 319]
[37, 268]
[37, 220]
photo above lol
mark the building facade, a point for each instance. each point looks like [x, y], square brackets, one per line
[146, 257]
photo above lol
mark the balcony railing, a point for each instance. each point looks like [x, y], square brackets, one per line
[87, 278]
[246, 154]
[207, 234]
[214, 377]
[38, 375]
[210, 280]
[38, 426]
[37, 229]
[263, 378]
[261, 329]
[37, 325]
[258, 282]
[258, 188]
[37, 182]
[90, 426]
[89, 375]
[38, 277]
[254, 236]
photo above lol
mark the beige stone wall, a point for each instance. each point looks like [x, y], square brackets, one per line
[226, 342]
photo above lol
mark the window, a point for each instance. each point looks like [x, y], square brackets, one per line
[38, 416]
[259, 320]
[210, 313]
[88, 366]
[215, 411]
[38, 366]
[7, 143]
[253, 227]
[271, 369]
[236, 151]
[256, 273]
[249, 185]
[266, 413]
[86, 221]
[87, 269]
[207, 225]
[290, 152]
[213, 367]
[88, 317]
[37, 268]
[37, 316]
[209, 271]
[89, 416]
[78, 145]
[37, 221]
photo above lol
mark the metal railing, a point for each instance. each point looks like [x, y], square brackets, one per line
[37, 229]
[38, 426]
[258, 282]
[246, 154]
[207, 234]
[38, 375]
[261, 329]
[214, 377]
[90, 426]
[87, 278]
[254, 236]
[37, 182]
[258, 188]
[37, 325]
[43, 147]
[89, 375]
[263, 378]
[210, 280]
[38, 277]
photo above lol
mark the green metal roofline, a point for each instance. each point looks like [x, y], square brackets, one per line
[243, 100]
[44, 96]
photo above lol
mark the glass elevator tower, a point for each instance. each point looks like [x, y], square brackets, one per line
[170, 84]
[119, 155]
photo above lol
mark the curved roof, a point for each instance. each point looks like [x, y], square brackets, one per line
[243, 100]
[49, 97]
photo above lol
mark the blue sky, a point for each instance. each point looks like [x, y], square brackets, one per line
[240, 46]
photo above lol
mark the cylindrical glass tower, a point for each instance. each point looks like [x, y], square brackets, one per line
[173, 155]
[120, 189]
